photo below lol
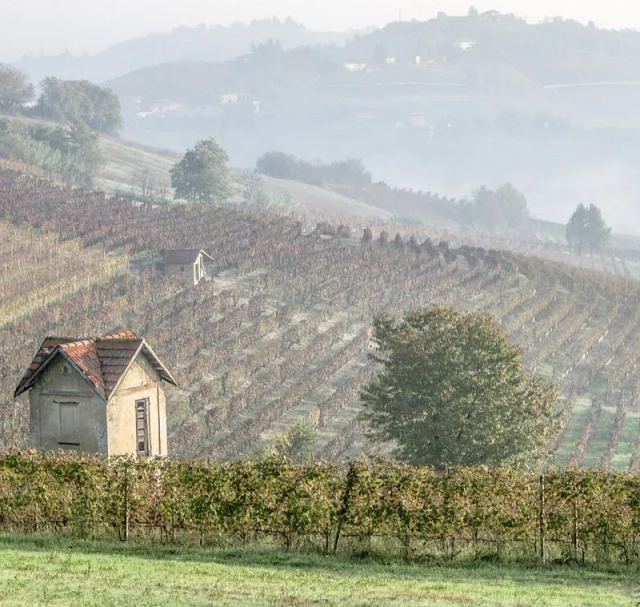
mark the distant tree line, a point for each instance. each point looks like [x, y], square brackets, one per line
[285, 166]
[67, 101]
[72, 153]
[62, 101]
[503, 207]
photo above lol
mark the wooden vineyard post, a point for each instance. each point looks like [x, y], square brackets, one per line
[125, 504]
[541, 521]
[575, 528]
[351, 480]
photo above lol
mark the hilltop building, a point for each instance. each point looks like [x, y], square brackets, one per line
[465, 44]
[189, 263]
[98, 395]
[352, 66]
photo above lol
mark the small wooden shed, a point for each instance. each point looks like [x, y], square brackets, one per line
[98, 395]
[190, 264]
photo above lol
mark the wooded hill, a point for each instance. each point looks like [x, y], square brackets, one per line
[555, 51]
[202, 43]
[281, 333]
[482, 52]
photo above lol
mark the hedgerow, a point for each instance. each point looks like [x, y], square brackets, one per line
[366, 504]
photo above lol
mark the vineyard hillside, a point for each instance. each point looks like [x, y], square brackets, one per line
[281, 332]
[138, 172]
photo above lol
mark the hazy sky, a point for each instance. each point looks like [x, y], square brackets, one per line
[53, 26]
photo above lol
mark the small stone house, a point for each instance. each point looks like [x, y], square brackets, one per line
[98, 395]
[189, 263]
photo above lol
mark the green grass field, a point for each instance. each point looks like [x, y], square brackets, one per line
[128, 165]
[38, 571]
[313, 197]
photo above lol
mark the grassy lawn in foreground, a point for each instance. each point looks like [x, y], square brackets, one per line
[39, 571]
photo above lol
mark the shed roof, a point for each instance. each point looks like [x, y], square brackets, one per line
[101, 361]
[183, 256]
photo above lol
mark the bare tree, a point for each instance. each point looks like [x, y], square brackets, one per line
[251, 185]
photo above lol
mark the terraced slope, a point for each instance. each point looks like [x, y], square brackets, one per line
[281, 333]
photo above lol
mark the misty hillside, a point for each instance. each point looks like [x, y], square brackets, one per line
[203, 43]
[268, 71]
[490, 52]
[281, 332]
[556, 51]
[447, 105]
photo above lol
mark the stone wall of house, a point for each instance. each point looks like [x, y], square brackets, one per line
[140, 382]
[66, 412]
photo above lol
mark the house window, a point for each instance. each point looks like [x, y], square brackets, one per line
[69, 425]
[142, 427]
[182, 268]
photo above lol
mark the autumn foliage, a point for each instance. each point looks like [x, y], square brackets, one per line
[462, 512]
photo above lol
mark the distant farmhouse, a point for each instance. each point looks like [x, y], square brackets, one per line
[190, 264]
[464, 44]
[98, 395]
[355, 67]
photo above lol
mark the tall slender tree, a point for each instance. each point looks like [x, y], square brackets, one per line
[599, 232]
[587, 230]
[576, 231]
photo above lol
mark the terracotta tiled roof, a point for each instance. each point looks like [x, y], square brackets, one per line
[102, 361]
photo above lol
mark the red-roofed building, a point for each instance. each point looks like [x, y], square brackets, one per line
[98, 395]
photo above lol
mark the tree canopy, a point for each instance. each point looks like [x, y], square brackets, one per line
[203, 174]
[453, 391]
[68, 101]
[285, 166]
[15, 89]
[72, 153]
[505, 206]
[587, 230]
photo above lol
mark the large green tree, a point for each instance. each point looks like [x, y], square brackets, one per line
[203, 174]
[15, 89]
[453, 391]
[505, 206]
[68, 101]
[587, 230]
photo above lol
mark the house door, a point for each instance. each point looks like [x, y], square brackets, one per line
[142, 427]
